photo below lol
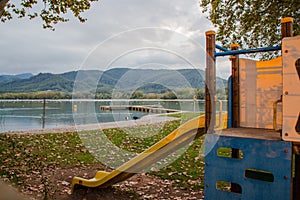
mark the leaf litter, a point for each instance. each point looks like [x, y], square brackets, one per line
[41, 166]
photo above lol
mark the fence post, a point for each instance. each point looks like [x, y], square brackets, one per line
[44, 113]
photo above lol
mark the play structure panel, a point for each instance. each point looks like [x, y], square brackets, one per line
[262, 169]
[291, 88]
[260, 87]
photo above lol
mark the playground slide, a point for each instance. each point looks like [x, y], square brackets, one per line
[172, 142]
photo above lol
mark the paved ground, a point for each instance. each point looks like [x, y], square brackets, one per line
[149, 119]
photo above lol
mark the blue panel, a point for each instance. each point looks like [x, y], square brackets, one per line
[267, 155]
[229, 107]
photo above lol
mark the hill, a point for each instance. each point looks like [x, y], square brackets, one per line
[118, 79]
[7, 78]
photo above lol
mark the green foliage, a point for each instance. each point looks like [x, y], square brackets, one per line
[185, 93]
[169, 95]
[51, 12]
[222, 93]
[40, 82]
[200, 93]
[154, 88]
[138, 94]
[249, 23]
[36, 95]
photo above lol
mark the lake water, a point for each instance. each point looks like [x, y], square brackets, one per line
[28, 114]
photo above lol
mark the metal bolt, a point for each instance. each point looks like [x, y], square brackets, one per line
[286, 151]
[286, 92]
[286, 51]
[286, 134]
[285, 177]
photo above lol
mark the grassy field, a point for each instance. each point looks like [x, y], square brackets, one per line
[23, 156]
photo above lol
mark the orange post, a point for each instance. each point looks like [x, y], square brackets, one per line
[235, 87]
[287, 27]
[235, 104]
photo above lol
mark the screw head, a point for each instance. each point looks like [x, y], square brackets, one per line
[286, 134]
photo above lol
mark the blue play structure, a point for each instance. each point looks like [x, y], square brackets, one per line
[257, 156]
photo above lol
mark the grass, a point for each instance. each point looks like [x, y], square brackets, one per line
[188, 170]
[185, 116]
[23, 155]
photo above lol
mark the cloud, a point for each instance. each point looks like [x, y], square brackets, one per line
[26, 47]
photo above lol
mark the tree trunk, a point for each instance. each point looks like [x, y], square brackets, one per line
[2, 6]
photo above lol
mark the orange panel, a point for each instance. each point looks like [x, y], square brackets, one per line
[260, 87]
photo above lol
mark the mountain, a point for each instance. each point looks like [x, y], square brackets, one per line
[7, 78]
[120, 79]
[40, 82]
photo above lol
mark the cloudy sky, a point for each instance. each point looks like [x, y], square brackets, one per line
[127, 33]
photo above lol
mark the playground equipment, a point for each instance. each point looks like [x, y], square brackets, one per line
[262, 134]
[263, 131]
[172, 142]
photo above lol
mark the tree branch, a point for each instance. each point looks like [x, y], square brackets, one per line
[2, 6]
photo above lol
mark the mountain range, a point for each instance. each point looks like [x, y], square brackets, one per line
[123, 79]
[8, 78]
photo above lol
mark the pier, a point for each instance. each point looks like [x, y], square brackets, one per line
[147, 109]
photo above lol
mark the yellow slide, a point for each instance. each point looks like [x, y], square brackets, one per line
[172, 142]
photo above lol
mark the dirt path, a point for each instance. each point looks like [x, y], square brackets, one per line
[140, 186]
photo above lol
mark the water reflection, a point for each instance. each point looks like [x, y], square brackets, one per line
[27, 114]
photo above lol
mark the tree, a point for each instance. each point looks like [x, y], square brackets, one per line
[250, 23]
[138, 94]
[50, 11]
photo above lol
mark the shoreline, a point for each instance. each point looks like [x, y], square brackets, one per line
[148, 119]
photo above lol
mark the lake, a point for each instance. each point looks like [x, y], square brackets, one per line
[28, 114]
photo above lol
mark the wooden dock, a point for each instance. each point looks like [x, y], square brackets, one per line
[147, 109]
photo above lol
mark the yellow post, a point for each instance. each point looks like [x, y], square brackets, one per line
[75, 108]
[195, 101]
